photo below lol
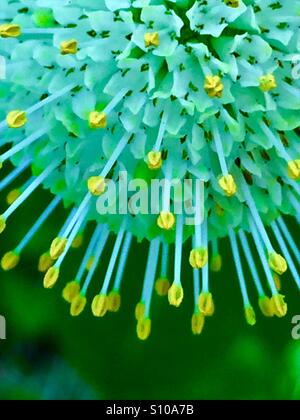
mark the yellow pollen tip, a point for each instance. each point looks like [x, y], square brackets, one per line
[97, 120]
[267, 82]
[10, 30]
[294, 169]
[2, 224]
[250, 316]
[114, 301]
[166, 220]
[206, 304]
[71, 291]
[90, 263]
[198, 322]
[266, 306]
[10, 261]
[51, 277]
[213, 86]
[162, 286]
[143, 329]
[232, 3]
[228, 185]
[69, 47]
[139, 311]
[154, 160]
[57, 247]
[100, 306]
[12, 196]
[77, 306]
[198, 257]
[16, 119]
[280, 307]
[78, 241]
[96, 185]
[277, 281]
[45, 262]
[216, 263]
[151, 39]
[277, 263]
[175, 295]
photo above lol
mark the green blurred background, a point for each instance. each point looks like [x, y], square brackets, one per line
[49, 355]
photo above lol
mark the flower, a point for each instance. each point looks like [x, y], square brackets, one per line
[185, 89]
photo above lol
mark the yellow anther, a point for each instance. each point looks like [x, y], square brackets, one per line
[57, 247]
[97, 120]
[228, 185]
[277, 263]
[71, 291]
[77, 306]
[198, 257]
[294, 169]
[96, 185]
[280, 307]
[151, 39]
[162, 286]
[12, 196]
[166, 220]
[198, 322]
[16, 119]
[139, 311]
[267, 82]
[250, 316]
[78, 241]
[143, 328]
[154, 160]
[277, 281]
[69, 47]
[114, 301]
[10, 30]
[45, 262]
[175, 295]
[216, 263]
[100, 305]
[232, 3]
[90, 263]
[213, 86]
[206, 304]
[2, 224]
[10, 261]
[51, 277]
[266, 306]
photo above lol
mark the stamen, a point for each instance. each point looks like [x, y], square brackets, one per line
[113, 259]
[50, 99]
[115, 155]
[286, 253]
[14, 174]
[176, 293]
[122, 262]
[289, 238]
[116, 100]
[150, 275]
[161, 131]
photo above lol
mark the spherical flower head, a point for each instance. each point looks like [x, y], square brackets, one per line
[16, 119]
[198, 257]
[10, 261]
